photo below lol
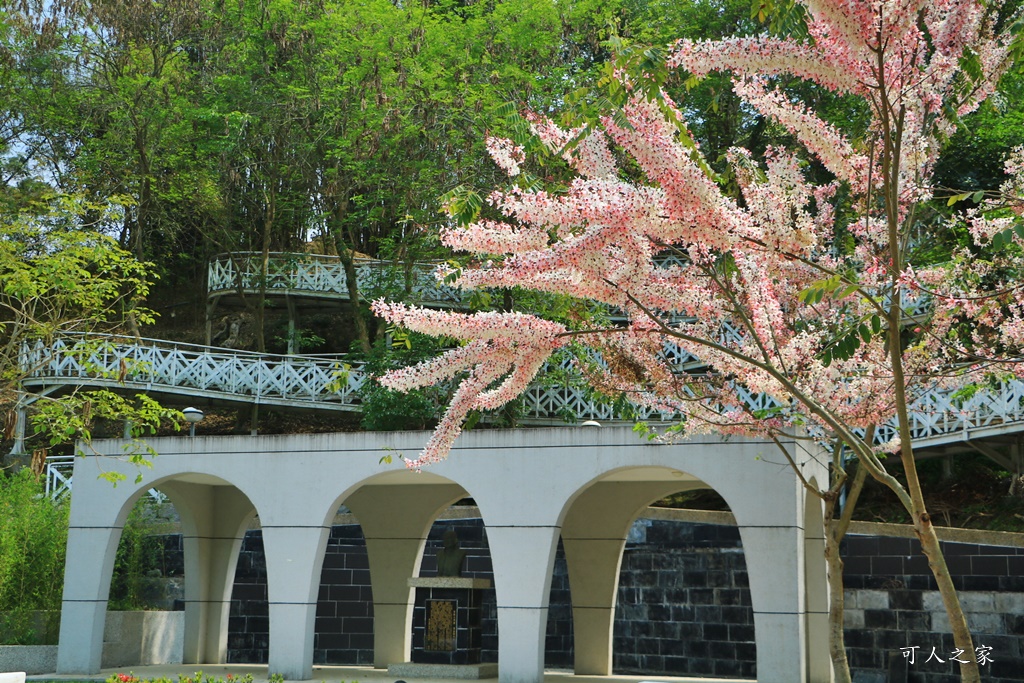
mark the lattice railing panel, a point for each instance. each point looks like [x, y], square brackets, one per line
[317, 274]
[59, 469]
[179, 368]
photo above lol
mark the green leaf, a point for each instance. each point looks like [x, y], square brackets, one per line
[845, 292]
[957, 198]
[507, 109]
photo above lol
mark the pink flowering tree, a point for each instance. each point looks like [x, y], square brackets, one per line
[780, 295]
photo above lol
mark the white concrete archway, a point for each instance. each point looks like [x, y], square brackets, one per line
[594, 536]
[526, 484]
[214, 516]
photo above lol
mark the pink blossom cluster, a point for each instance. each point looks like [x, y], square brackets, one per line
[506, 154]
[502, 356]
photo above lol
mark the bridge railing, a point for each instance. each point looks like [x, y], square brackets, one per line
[327, 381]
[58, 475]
[320, 275]
[938, 414]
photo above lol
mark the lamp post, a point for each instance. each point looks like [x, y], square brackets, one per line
[193, 416]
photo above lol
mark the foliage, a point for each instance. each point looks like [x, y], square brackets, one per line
[59, 271]
[138, 564]
[33, 540]
[60, 274]
[388, 410]
[197, 677]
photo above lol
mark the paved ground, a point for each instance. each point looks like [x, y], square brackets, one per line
[349, 674]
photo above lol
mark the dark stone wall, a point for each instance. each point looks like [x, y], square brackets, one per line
[343, 631]
[683, 604]
[249, 617]
[893, 609]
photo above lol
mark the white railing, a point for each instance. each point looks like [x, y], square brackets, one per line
[153, 365]
[328, 383]
[58, 475]
[320, 275]
[939, 416]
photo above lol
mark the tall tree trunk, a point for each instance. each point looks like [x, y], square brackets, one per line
[834, 534]
[144, 209]
[261, 300]
[892, 115]
[348, 261]
[836, 610]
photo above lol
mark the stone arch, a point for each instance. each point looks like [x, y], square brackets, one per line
[594, 534]
[524, 482]
[98, 515]
[395, 510]
[215, 515]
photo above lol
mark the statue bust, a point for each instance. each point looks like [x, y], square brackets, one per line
[450, 556]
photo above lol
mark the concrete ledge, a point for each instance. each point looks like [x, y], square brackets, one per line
[448, 582]
[457, 671]
[28, 659]
[1008, 539]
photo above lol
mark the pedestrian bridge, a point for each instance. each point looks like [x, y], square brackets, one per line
[323, 277]
[190, 373]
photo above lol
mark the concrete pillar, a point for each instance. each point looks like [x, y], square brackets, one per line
[593, 535]
[214, 520]
[771, 525]
[294, 560]
[97, 516]
[522, 557]
[87, 573]
[775, 563]
[395, 521]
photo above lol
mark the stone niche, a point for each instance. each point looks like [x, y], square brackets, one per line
[446, 619]
[446, 629]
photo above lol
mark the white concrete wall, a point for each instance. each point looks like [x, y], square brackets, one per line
[129, 639]
[525, 483]
[143, 638]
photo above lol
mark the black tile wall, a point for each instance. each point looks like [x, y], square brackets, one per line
[683, 602]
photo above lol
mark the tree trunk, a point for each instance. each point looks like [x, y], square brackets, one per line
[261, 300]
[347, 255]
[836, 608]
[925, 530]
[834, 534]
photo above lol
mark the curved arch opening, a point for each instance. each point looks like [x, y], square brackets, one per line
[378, 529]
[657, 590]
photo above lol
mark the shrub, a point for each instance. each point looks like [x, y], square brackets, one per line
[33, 540]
